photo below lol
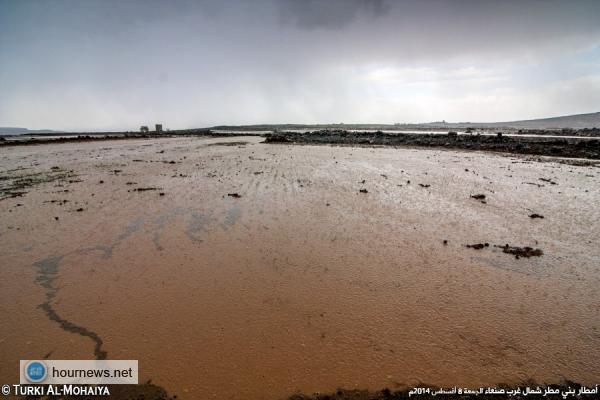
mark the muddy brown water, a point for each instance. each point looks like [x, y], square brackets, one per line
[303, 284]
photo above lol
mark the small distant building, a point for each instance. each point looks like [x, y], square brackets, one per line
[144, 129]
[159, 128]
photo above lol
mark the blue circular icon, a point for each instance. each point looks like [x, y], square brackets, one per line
[35, 371]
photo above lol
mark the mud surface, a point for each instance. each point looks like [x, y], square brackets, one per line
[256, 271]
[563, 147]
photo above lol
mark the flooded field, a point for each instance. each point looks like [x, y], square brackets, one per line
[235, 269]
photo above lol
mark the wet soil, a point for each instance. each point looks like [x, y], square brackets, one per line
[17, 182]
[302, 284]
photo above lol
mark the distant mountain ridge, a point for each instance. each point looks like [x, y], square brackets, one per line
[578, 121]
[7, 130]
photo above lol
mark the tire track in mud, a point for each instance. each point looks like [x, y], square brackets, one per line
[195, 226]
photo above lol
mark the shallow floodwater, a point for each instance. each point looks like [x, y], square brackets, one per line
[303, 283]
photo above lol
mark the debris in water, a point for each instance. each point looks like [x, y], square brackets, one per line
[548, 180]
[521, 251]
[477, 246]
[363, 191]
[234, 195]
[536, 216]
[480, 197]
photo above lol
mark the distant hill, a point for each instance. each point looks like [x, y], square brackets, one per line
[579, 121]
[5, 130]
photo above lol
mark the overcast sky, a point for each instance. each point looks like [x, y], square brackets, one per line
[100, 65]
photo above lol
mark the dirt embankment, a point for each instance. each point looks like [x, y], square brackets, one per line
[559, 147]
[67, 138]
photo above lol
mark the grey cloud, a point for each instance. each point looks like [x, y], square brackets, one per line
[329, 14]
[111, 64]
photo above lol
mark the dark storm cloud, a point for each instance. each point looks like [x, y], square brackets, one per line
[333, 14]
[118, 64]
